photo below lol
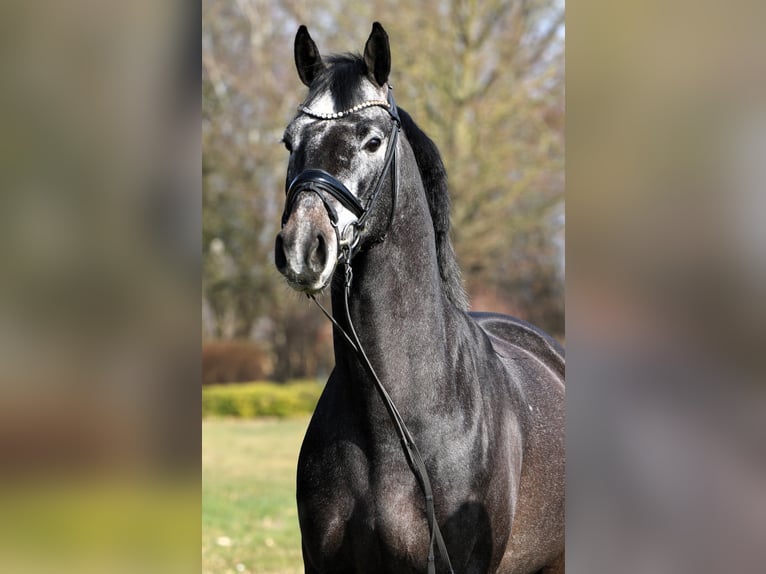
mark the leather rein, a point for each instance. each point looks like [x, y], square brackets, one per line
[320, 182]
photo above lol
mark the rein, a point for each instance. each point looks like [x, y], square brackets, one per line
[320, 182]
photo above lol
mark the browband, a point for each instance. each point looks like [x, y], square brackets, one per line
[388, 104]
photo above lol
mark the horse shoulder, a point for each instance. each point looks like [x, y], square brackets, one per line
[332, 475]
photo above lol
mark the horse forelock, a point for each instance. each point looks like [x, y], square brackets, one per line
[343, 84]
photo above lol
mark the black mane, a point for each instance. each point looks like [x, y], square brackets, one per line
[342, 77]
[434, 176]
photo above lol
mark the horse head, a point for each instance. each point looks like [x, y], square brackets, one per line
[342, 145]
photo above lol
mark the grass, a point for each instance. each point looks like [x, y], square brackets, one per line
[249, 516]
[76, 522]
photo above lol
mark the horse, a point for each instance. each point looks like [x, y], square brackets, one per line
[480, 395]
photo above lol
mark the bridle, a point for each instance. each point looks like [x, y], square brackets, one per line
[320, 182]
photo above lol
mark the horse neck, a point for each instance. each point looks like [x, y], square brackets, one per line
[398, 309]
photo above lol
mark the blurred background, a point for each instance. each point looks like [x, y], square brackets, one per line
[485, 80]
[666, 286]
[99, 287]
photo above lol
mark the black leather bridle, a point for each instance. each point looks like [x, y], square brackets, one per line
[323, 184]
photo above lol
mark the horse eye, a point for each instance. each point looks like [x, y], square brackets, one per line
[372, 145]
[288, 145]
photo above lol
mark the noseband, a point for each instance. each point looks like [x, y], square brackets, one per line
[324, 184]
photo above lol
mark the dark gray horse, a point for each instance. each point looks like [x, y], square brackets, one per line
[482, 395]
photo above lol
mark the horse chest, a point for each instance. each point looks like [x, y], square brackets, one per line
[352, 506]
[363, 510]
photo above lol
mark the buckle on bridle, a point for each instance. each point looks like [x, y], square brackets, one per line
[349, 238]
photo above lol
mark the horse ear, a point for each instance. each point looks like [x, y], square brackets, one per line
[307, 58]
[377, 55]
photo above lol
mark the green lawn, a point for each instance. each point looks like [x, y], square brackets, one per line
[249, 517]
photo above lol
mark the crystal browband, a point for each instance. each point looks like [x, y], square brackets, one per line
[336, 115]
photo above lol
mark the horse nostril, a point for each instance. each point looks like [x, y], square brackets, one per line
[280, 259]
[317, 258]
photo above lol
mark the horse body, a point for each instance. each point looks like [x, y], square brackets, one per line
[482, 394]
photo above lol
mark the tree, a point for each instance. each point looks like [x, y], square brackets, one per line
[487, 80]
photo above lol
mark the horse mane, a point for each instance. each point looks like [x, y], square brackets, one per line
[434, 176]
[341, 78]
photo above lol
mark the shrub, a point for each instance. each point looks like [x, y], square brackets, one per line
[234, 362]
[261, 399]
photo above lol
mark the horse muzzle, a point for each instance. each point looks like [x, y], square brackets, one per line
[306, 249]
